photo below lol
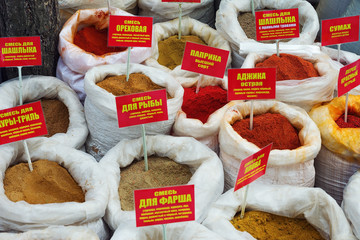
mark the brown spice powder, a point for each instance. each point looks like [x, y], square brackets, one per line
[162, 172]
[47, 183]
[56, 116]
[171, 50]
[267, 226]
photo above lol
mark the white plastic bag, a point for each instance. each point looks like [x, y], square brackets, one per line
[228, 26]
[293, 167]
[101, 114]
[309, 91]
[22, 216]
[206, 167]
[351, 203]
[189, 26]
[313, 204]
[37, 87]
[76, 61]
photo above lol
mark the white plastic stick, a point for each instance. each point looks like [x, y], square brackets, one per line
[109, 9]
[164, 231]
[338, 53]
[198, 84]
[251, 114]
[277, 47]
[252, 7]
[145, 148]
[128, 64]
[180, 14]
[243, 205]
[346, 107]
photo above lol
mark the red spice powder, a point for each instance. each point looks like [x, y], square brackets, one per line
[352, 121]
[94, 41]
[269, 128]
[204, 103]
[290, 67]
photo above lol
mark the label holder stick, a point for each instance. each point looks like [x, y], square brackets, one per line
[252, 7]
[346, 107]
[128, 64]
[251, 114]
[198, 84]
[164, 231]
[145, 147]
[277, 47]
[243, 205]
[180, 14]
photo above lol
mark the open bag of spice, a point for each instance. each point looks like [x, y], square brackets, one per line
[339, 157]
[168, 50]
[278, 212]
[304, 76]
[83, 45]
[53, 233]
[295, 137]
[235, 22]
[201, 113]
[172, 161]
[104, 83]
[66, 187]
[64, 114]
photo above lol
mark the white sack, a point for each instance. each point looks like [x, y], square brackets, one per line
[22, 216]
[293, 167]
[101, 114]
[77, 61]
[37, 87]
[228, 26]
[189, 26]
[53, 233]
[351, 203]
[313, 204]
[309, 91]
[206, 167]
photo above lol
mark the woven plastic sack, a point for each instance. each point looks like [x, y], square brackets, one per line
[351, 204]
[53, 233]
[189, 26]
[101, 113]
[206, 167]
[37, 87]
[313, 204]
[74, 62]
[293, 167]
[22, 216]
[309, 91]
[228, 26]
[165, 11]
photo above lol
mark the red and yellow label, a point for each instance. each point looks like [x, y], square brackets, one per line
[22, 122]
[349, 77]
[164, 205]
[141, 108]
[251, 83]
[339, 30]
[20, 51]
[128, 31]
[252, 167]
[277, 24]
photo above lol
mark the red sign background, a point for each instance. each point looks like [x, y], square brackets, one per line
[22, 122]
[141, 108]
[20, 51]
[251, 83]
[339, 30]
[252, 167]
[277, 24]
[129, 31]
[349, 77]
[204, 59]
[164, 205]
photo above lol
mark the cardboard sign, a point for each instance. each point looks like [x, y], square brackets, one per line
[22, 122]
[182, 1]
[277, 24]
[128, 31]
[251, 83]
[339, 30]
[252, 167]
[204, 59]
[349, 77]
[20, 51]
[141, 108]
[164, 205]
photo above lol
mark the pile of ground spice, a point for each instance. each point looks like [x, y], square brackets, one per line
[171, 50]
[56, 116]
[95, 41]
[137, 82]
[269, 128]
[289, 67]
[352, 121]
[202, 104]
[267, 226]
[47, 183]
[162, 172]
